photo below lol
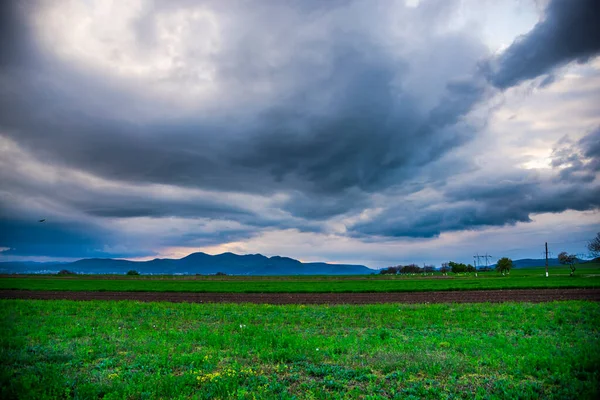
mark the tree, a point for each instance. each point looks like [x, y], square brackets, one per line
[568, 259]
[457, 267]
[594, 246]
[411, 269]
[132, 272]
[504, 265]
[470, 268]
[390, 270]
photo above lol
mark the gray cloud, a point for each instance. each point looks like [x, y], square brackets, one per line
[509, 197]
[580, 161]
[478, 210]
[322, 207]
[590, 147]
[369, 132]
[570, 31]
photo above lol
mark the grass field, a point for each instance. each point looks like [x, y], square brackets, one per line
[586, 276]
[65, 349]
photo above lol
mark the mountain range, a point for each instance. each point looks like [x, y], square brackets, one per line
[195, 263]
[534, 262]
[206, 264]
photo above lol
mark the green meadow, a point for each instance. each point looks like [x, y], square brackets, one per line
[131, 350]
[587, 275]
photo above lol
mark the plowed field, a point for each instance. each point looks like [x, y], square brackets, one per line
[475, 296]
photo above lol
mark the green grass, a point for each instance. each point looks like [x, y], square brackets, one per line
[586, 276]
[66, 349]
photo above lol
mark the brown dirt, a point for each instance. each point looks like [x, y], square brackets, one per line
[474, 296]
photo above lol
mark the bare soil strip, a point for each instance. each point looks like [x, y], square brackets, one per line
[472, 296]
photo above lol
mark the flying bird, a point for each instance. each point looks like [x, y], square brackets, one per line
[42, 220]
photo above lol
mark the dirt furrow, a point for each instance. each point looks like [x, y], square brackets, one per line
[475, 296]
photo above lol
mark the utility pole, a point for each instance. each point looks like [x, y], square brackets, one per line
[477, 257]
[487, 256]
[546, 259]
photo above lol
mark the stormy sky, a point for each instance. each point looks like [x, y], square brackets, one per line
[357, 131]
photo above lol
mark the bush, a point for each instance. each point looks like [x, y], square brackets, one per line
[221, 274]
[66, 272]
[132, 272]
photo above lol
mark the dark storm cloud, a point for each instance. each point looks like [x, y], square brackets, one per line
[139, 206]
[401, 221]
[506, 198]
[478, 209]
[369, 135]
[60, 189]
[570, 31]
[322, 207]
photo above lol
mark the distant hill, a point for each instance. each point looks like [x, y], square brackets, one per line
[25, 267]
[540, 262]
[195, 263]
[535, 262]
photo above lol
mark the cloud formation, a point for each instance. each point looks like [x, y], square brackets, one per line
[200, 123]
[569, 32]
[500, 198]
[333, 121]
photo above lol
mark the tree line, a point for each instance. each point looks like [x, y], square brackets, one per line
[450, 266]
[407, 269]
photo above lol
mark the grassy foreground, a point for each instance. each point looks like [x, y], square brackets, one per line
[587, 276]
[65, 349]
